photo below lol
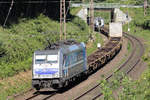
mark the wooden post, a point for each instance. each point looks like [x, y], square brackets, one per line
[92, 15]
[145, 6]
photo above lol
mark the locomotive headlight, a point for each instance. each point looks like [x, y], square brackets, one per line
[56, 74]
[35, 75]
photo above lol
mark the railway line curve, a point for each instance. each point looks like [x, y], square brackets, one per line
[97, 59]
[126, 67]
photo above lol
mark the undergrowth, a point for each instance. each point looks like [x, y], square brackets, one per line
[103, 14]
[129, 89]
[19, 41]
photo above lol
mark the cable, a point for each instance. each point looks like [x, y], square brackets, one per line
[5, 2]
[68, 8]
[8, 12]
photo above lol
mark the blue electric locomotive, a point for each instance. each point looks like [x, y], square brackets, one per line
[60, 64]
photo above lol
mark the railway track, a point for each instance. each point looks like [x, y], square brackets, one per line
[105, 52]
[95, 61]
[41, 95]
[126, 67]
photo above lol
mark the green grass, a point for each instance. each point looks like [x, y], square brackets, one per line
[14, 85]
[139, 89]
[23, 85]
[75, 10]
[19, 41]
[129, 48]
[137, 26]
[106, 15]
[98, 39]
[103, 14]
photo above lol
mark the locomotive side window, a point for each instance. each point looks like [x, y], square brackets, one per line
[64, 60]
[67, 61]
[80, 55]
[73, 58]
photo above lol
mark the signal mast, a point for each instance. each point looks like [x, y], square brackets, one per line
[62, 19]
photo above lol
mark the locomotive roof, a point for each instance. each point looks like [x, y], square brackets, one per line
[66, 46]
[61, 44]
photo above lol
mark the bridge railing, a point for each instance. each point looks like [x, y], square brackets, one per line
[104, 5]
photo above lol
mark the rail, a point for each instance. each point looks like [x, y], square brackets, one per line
[126, 67]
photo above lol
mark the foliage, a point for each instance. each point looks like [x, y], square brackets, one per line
[129, 89]
[14, 85]
[75, 10]
[103, 14]
[126, 89]
[139, 28]
[19, 41]
[98, 39]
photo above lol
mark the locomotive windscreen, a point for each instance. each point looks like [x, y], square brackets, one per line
[46, 65]
[52, 58]
[40, 59]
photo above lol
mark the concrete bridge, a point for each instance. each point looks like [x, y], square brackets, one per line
[115, 13]
[105, 5]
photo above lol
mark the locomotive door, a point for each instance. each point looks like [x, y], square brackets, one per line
[65, 66]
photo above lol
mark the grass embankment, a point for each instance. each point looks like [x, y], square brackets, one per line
[94, 44]
[75, 10]
[106, 15]
[129, 49]
[131, 89]
[19, 41]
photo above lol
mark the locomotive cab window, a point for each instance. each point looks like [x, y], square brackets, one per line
[40, 59]
[52, 58]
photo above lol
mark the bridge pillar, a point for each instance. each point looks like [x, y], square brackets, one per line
[112, 15]
[83, 13]
[120, 16]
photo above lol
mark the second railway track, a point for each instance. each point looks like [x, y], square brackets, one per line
[126, 67]
[110, 52]
[95, 61]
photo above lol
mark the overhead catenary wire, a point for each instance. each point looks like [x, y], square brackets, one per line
[68, 8]
[8, 13]
[13, 2]
[63, 14]
[5, 2]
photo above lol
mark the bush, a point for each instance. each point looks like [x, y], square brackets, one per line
[133, 89]
[19, 41]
